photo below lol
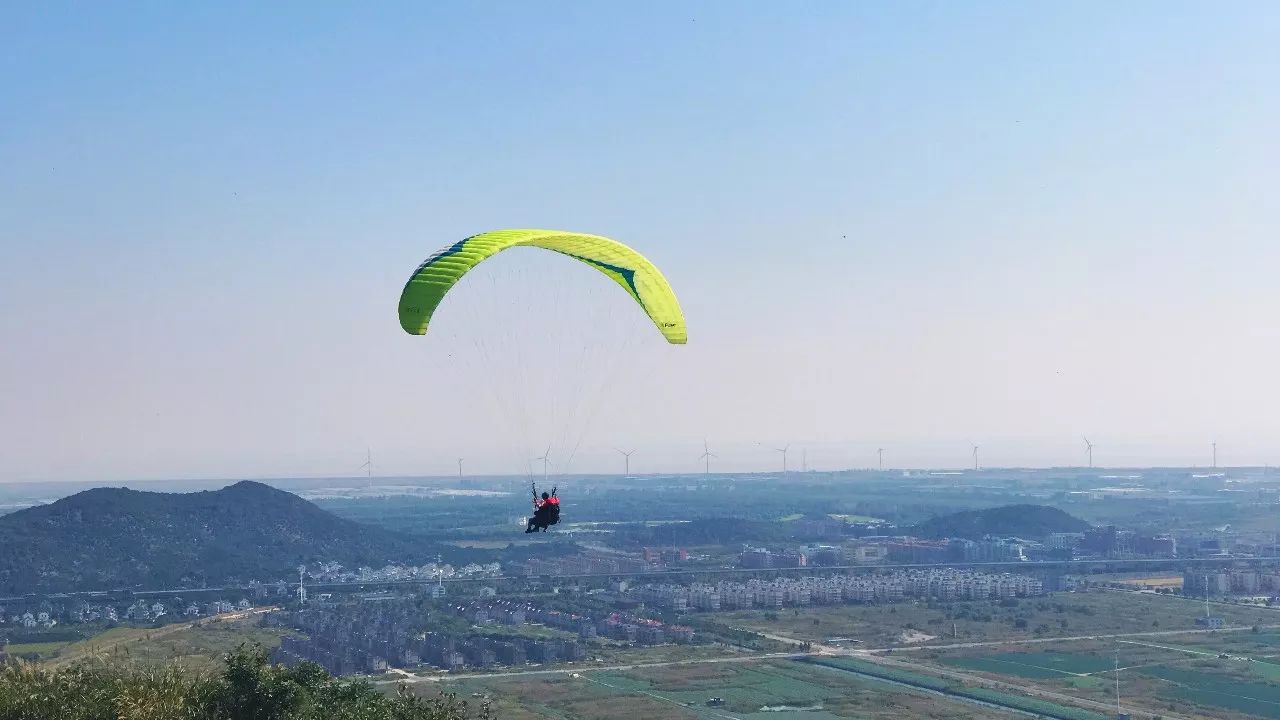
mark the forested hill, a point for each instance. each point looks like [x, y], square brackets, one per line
[110, 538]
[1025, 521]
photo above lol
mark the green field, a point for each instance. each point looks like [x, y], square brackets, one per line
[1219, 691]
[1221, 674]
[1057, 615]
[40, 649]
[198, 647]
[1034, 665]
[952, 688]
[781, 690]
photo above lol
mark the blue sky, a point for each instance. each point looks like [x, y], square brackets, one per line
[909, 225]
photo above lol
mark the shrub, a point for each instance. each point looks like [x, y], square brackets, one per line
[249, 687]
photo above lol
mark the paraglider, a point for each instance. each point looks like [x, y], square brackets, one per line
[546, 511]
[440, 273]
[640, 278]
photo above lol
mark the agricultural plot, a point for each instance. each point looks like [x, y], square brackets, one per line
[782, 690]
[1034, 665]
[1214, 690]
[1224, 674]
[1058, 615]
[951, 688]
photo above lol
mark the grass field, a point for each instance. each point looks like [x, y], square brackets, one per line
[197, 647]
[1212, 675]
[781, 690]
[1034, 665]
[40, 649]
[1058, 615]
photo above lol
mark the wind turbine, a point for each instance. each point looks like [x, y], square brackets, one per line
[706, 457]
[1215, 455]
[367, 467]
[546, 460]
[975, 457]
[783, 450]
[880, 455]
[804, 460]
[460, 469]
[1088, 446]
[626, 462]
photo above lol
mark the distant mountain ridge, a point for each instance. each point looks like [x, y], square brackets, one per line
[1025, 521]
[109, 538]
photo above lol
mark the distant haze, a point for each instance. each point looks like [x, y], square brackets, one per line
[909, 226]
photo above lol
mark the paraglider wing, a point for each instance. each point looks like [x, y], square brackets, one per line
[640, 278]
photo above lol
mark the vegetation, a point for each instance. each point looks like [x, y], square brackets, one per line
[779, 690]
[1060, 615]
[1026, 521]
[114, 537]
[191, 646]
[247, 688]
[1017, 702]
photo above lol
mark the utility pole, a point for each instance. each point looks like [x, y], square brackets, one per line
[1119, 712]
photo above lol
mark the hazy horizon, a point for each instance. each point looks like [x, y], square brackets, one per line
[911, 227]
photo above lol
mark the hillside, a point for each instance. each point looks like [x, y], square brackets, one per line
[114, 538]
[247, 686]
[1025, 521]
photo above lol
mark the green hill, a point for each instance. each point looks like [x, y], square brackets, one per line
[110, 538]
[1025, 521]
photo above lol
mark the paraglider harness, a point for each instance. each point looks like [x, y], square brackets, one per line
[545, 512]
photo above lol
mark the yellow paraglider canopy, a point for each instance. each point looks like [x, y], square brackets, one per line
[640, 278]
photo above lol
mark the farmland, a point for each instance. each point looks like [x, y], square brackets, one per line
[1224, 674]
[1059, 615]
[779, 690]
